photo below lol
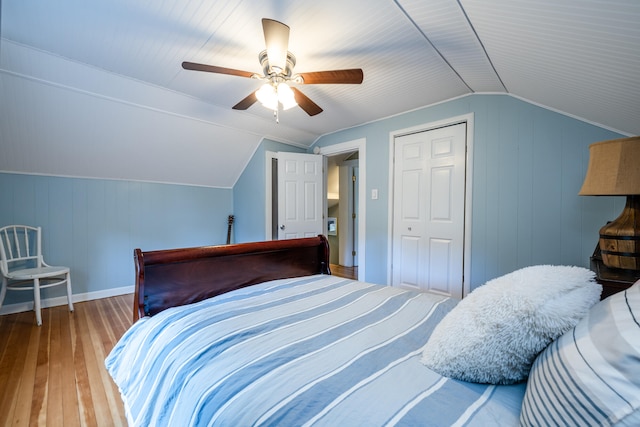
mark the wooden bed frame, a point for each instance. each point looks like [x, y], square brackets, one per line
[173, 277]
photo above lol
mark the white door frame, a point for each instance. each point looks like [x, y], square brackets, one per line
[346, 147]
[468, 119]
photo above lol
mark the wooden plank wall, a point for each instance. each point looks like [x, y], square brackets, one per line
[93, 225]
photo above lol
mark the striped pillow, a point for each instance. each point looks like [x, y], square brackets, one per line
[591, 374]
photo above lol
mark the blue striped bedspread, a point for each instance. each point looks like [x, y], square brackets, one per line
[317, 350]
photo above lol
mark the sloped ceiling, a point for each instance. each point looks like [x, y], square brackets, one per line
[580, 57]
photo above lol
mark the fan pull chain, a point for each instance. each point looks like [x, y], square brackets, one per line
[276, 114]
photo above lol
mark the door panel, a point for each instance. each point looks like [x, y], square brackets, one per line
[429, 190]
[440, 255]
[299, 195]
[410, 252]
[440, 203]
[411, 181]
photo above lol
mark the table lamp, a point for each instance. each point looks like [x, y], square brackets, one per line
[614, 170]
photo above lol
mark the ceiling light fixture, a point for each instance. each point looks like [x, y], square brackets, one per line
[277, 68]
[273, 94]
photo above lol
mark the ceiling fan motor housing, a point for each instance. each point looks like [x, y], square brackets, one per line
[269, 71]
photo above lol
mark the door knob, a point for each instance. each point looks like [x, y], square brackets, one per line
[282, 227]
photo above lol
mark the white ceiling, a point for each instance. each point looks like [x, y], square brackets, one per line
[580, 57]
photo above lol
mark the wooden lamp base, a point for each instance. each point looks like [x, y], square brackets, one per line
[620, 239]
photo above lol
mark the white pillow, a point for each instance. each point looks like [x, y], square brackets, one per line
[494, 334]
[591, 374]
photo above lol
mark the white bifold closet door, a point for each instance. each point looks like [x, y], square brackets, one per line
[428, 212]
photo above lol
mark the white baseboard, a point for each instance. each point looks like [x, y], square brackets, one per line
[53, 302]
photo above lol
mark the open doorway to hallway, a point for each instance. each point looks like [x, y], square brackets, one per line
[342, 211]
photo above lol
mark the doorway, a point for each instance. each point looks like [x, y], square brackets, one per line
[359, 146]
[342, 212]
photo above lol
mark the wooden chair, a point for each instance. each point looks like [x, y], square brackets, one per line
[23, 267]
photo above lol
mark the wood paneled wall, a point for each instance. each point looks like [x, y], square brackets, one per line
[528, 165]
[93, 225]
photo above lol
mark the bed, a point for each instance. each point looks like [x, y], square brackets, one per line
[263, 334]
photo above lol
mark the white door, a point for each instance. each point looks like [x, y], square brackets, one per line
[300, 198]
[428, 213]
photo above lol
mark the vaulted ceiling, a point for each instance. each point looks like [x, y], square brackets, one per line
[579, 57]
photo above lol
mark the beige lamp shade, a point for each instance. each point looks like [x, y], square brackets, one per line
[614, 168]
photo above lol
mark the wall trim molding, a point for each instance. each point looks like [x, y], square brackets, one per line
[145, 181]
[467, 95]
[58, 301]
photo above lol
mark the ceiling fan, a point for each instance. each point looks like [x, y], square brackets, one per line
[277, 73]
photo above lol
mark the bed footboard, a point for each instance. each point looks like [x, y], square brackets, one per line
[173, 277]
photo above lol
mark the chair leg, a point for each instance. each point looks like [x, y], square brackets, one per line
[36, 301]
[69, 294]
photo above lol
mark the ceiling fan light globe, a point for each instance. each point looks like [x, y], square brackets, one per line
[267, 96]
[286, 96]
[288, 105]
[271, 105]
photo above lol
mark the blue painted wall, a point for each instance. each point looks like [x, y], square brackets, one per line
[529, 164]
[93, 225]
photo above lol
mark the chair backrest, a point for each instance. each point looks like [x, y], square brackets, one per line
[20, 247]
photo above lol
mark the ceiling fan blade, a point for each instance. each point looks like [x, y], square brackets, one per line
[247, 102]
[350, 76]
[276, 39]
[310, 107]
[214, 69]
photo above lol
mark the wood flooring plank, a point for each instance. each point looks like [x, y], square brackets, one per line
[6, 327]
[108, 339]
[11, 362]
[7, 365]
[121, 319]
[69, 395]
[55, 413]
[342, 271]
[41, 382]
[83, 385]
[27, 380]
[93, 363]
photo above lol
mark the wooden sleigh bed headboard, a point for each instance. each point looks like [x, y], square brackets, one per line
[173, 277]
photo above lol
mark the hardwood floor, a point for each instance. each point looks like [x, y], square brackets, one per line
[342, 271]
[54, 375]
